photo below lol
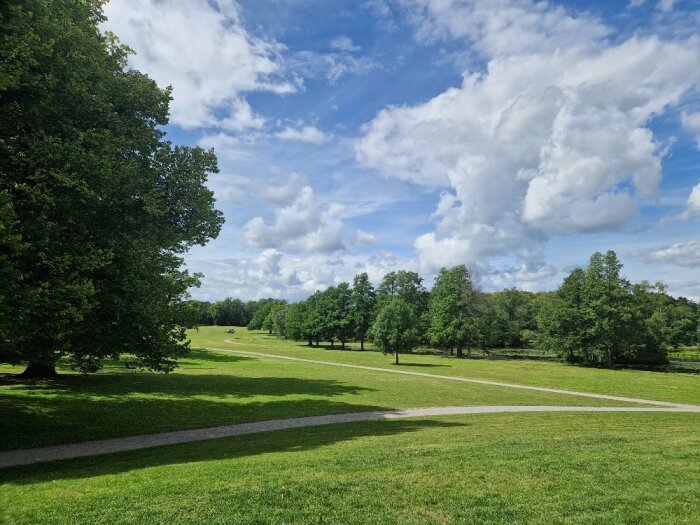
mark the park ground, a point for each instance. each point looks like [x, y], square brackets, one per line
[620, 467]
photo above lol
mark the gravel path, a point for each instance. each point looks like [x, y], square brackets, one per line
[459, 378]
[15, 458]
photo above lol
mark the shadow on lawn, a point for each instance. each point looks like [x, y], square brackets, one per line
[294, 440]
[74, 408]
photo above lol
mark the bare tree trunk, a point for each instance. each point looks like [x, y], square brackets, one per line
[397, 358]
[362, 343]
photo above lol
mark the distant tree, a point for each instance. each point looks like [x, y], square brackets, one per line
[314, 320]
[599, 318]
[513, 312]
[395, 330]
[295, 322]
[262, 311]
[279, 319]
[336, 321]
[456, 311]
[561, 319]
[98, 206]
[363, 302]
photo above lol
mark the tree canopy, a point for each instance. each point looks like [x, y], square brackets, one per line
[96, 207]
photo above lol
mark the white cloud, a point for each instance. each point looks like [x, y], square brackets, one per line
[310, 134]
[276, 274]
[225, 146]
[362, 238]
[228, 187]
[691, 123]
[666, 5]
[550, 139]
[282, 188]
[693, 202]
[201, 48]
[344, 43]
[680, 254]
[635, 3]
[303, 225]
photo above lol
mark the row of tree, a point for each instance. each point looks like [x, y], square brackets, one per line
[596, 317]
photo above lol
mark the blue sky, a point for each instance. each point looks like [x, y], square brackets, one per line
[517, 137]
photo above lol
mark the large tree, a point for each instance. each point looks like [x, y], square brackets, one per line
[99, 205]
[395, 330]
[363, 302]
[455, 311]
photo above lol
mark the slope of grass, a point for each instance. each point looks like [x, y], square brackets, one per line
[212, 389]
[662, 386]
[503, 469]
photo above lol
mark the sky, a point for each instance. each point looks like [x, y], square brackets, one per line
[514, 136]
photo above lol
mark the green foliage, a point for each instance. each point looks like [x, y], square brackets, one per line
[455, 311]
[262, 309]
[363, 302]
[395, 331]
[101, 207]
[598, 318]
[336, 318]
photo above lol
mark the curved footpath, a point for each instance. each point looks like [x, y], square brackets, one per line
[15, 458]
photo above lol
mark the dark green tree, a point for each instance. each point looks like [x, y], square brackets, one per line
[455, 311]
[363, 302]
[103, 205]
[395, 330]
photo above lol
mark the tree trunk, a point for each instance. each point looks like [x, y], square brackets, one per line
[311, 341]
[460, 354]
[332, 344]
[317, 342]
[39, 371]
[397, 358]
[362, 343]
[342, 344]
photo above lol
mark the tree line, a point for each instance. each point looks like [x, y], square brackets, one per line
[596, 317]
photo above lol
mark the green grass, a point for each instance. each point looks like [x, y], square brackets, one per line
[506, 468]
[541, 468]
[661, 386]
[218, 389]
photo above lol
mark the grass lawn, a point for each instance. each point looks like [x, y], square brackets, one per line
[505, 468]
[490, 468]
[661, 386]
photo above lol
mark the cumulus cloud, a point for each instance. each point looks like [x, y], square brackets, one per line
[693, 202]
[362, 238]
[303, 225]
[202, 49]
[680, 254]
[282, 188]
[691, 123]
[310, 134]
[273, 273]
[551, 138]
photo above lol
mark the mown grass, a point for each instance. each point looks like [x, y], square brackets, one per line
[662, 386]
[505, 469]
[212, 389]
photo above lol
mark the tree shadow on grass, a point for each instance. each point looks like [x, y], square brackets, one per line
[75, 408]
[290, 441]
